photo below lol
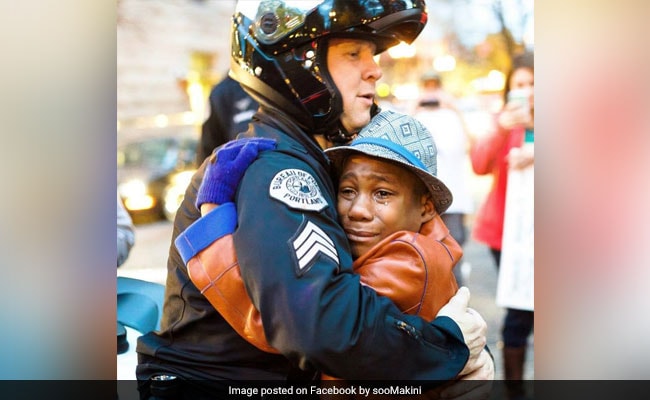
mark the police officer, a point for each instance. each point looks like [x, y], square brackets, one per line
[310, 66]
[231, 109]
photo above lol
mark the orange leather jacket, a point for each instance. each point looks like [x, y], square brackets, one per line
[412, 269]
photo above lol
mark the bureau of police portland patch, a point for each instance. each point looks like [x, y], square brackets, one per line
[297, 189]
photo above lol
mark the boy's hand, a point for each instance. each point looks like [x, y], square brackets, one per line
[226, 167]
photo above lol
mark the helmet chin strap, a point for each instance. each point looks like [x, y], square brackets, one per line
[340, 135]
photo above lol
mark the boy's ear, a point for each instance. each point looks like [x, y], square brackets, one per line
[428, 208]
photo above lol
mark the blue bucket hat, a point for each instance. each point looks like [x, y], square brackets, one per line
[402, 139]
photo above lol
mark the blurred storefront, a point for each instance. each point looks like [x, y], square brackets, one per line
[470, 45]
[169, 55]
[171, 52]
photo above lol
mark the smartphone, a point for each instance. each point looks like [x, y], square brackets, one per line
[521, 96]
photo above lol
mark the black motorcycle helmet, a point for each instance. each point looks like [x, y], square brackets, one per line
[279, 51]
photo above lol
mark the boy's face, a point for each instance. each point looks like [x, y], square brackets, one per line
[377, 198]
[354, 71]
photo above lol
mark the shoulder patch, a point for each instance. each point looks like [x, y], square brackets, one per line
[298, 189]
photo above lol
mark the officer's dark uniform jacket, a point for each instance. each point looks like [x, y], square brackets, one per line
[297, 268]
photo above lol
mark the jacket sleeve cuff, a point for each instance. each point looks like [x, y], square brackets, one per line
[450, 326]
[218, 223]
[460, 352]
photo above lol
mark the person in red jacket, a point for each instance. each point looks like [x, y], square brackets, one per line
[495, 154]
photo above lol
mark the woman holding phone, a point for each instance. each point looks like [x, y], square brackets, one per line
[495, 154]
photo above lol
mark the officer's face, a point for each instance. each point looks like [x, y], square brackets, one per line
[377, 198]
[351, 64]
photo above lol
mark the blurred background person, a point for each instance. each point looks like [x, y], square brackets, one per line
[431, 87]
[495, 154]
[125, 233]
[438, 114]
[231, 108]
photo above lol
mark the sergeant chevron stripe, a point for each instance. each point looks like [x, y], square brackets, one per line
[312, 241]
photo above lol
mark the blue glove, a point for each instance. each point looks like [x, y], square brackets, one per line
[226, 168]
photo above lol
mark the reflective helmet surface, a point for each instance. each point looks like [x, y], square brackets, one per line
[279, 49]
